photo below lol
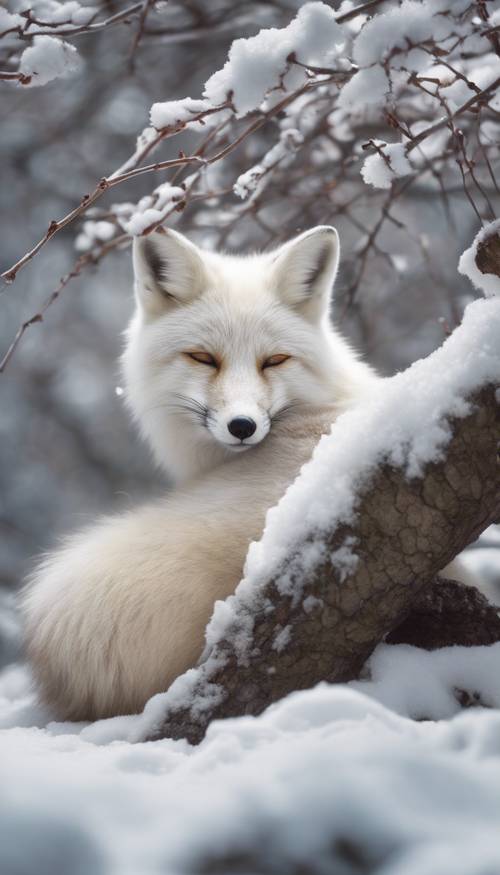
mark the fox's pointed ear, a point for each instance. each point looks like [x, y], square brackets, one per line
[304, 270]
[168, 270]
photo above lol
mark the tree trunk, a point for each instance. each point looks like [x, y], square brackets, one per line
[448, 613]
[407, 530]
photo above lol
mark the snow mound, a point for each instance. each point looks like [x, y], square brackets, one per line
[321, 779]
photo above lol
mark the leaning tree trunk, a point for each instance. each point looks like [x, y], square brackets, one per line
[447, 613]
[406, 530]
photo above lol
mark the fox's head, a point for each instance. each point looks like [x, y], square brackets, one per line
[221, 346]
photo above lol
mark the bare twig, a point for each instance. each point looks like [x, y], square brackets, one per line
[146, 6]
[477, 98]
[69, 30]
[88, 200]
[83, 261]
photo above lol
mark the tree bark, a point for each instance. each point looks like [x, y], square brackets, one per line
[448, 613]
[407, 530]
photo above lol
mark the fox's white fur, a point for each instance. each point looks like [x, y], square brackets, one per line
[117, 613]
[242, 309]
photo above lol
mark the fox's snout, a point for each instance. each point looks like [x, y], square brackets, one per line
[239, 426]
[242, 427]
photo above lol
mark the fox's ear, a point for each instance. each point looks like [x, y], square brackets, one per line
[304, 270]
[168, 270]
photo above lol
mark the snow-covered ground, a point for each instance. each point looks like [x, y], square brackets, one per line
[384, 775]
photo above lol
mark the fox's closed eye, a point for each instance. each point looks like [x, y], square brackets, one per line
[204, 358]
[275, 360]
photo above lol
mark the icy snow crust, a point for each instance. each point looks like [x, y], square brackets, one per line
[319, 770]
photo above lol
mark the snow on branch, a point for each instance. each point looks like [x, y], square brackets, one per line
[481, 262]
[46, 59]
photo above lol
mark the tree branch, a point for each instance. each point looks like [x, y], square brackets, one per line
[446, 614]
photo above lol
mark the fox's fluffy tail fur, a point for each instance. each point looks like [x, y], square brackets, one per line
[120, 611]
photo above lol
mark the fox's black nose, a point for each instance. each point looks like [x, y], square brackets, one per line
[242, 427]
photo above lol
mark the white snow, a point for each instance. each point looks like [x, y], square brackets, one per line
[368, 87]
[345, 559]
[377, 172]
[53, 12]
[49, 58]
[482, 561]
[311, 603]
[282, 638]
[425, 685]
[153, 209]
[94, 232]
[9, 19]
[321, 775]
[409, 23]
[176, 113]
[257, 65]
[488, 283]
[252, 180]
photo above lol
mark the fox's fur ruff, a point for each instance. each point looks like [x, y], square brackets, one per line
[120, 610]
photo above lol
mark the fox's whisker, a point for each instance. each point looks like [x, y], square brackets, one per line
[185, 405]
[284, 410]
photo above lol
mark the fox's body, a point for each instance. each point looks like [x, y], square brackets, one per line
[233, 372]
[121, 611]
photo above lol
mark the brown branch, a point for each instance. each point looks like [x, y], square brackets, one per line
[358, 10]
[62, 30]
[15, 77]
[146, 7]
[115, 179]
[87, 201]
[444, 122]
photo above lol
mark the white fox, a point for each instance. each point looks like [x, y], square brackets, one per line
[233, 372]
